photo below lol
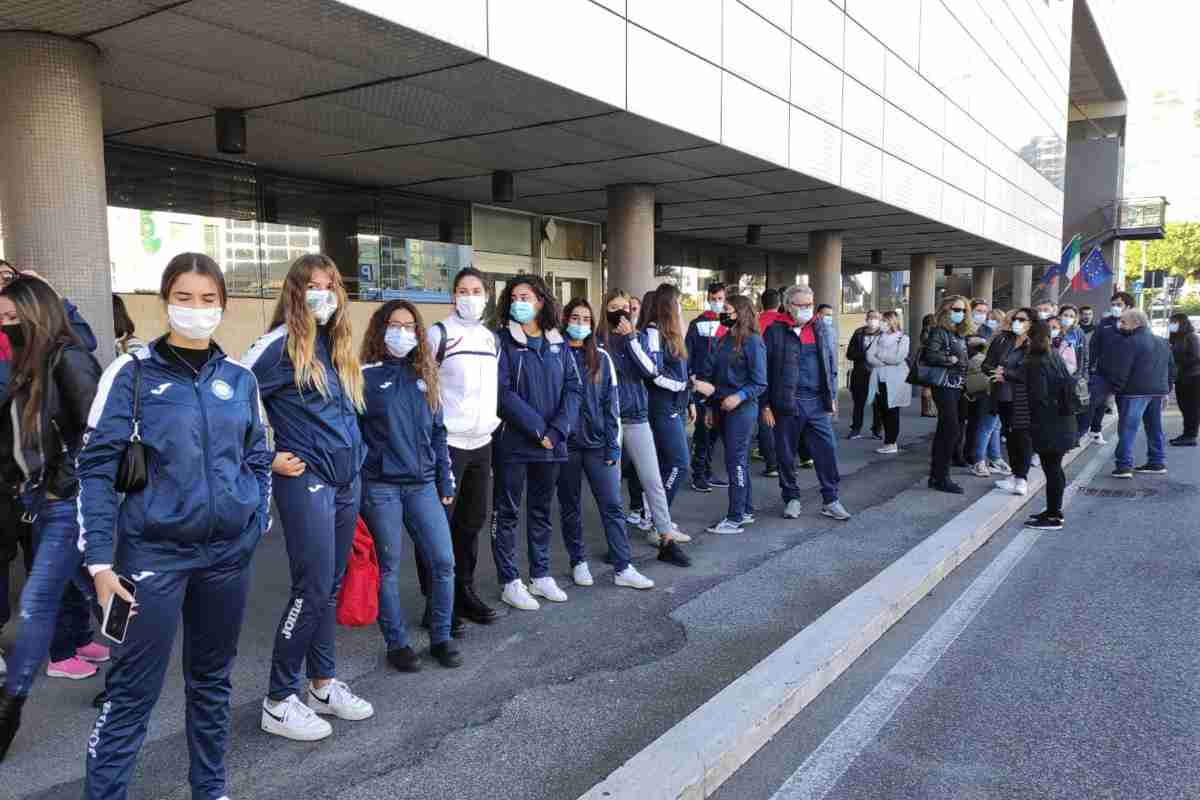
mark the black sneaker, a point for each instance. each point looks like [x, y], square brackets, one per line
[807, 463]
[446, 654]
[1122, 472]
[468, 605]
[718, 483]
[404, 659]
[1183, 441]
[1046, 523]
[771, 472]
[1152, 469]
[855, 435]
[672, 553]
[700, 486]
[947, 486]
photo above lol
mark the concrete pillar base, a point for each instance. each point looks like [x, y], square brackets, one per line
[1022, 286]
[825, 268]
[984, 284]
[922, 288]
[630, 245]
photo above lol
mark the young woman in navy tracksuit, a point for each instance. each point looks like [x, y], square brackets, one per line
[407, 478]
[630, 354]
[594, 448]
[187, 538]
[668, 397]
[539, 394]
[312, 389]
[734, 377]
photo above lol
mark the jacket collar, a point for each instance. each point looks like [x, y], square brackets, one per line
[552, 335]
[157, 351]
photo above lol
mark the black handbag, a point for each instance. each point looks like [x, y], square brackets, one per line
[132, 473]
[922, 374]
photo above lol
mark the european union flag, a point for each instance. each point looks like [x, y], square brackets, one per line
[1095, 271]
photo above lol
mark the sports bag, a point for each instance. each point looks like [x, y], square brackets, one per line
[358, 599]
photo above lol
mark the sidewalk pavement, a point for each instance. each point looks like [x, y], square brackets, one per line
[548, 702]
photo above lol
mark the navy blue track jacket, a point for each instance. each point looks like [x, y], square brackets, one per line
[209, 492]
[321, 430]
[669, 387]
[539, 394]
[599, 423]
[631, 356]
[405, 439]
[704, 333]
[732, 371]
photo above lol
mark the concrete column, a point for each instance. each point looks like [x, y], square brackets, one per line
[825, 268]
[984, 283]
[52, 185]
[631, 238]
[922, 287]
[1022, 286]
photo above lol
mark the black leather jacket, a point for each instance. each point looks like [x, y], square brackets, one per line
[946, 349]
[66, 401]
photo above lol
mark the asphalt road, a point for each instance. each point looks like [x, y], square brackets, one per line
[548, 703]
[1077, 676]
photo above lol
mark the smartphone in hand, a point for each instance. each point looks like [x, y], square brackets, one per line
[118, 612]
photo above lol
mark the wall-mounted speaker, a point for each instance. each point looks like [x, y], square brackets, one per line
[231, 131]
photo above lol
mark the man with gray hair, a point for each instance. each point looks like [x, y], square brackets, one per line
[1141, 374]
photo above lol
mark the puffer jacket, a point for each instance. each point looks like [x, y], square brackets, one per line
[208, 498]
[539, 395]
[405, 439]
[1142, 365]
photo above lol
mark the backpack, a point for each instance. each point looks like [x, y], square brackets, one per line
[358, 599]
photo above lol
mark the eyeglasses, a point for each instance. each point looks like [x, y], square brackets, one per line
[959, 310]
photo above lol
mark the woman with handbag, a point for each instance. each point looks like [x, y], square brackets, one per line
[888, 358]
[1185, 348]
[175, 496]
[42, 423]
[1043, 390]
[407, 477]
[944, 360]
[312, 388]
[1006, 353]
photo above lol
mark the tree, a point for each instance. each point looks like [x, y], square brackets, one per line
[1178, 253]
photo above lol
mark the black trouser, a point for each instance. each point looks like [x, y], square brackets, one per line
[890, 416]
[1187, 394]
[860, 384]
[1056, 480]
[948, 433]
[1020, 451]
[473, 476]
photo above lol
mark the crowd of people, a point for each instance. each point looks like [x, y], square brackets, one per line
[153, 480]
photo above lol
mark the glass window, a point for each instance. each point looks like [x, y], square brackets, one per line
[496, 231]
[890, 286]
[574, 241]
[858, 292]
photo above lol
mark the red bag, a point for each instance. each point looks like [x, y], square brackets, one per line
[358, 600]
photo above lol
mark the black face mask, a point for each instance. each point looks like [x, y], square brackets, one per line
[727, 320]
[15, 334]
[615, 317]
[1124, 331]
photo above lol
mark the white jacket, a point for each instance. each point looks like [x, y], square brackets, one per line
[468, 380]
[887, 355]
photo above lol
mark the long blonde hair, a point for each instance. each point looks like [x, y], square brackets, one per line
[292, 310]
[964, 328]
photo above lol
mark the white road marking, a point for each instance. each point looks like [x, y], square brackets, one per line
[826, 765]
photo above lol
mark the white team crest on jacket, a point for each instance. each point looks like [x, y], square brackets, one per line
[385, 384]
[421, 385]
[222, 389]
[162, 387]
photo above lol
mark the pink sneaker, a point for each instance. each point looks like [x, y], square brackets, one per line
[95, 653]
[74, 668]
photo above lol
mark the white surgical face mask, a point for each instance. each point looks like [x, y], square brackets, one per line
[193, 323]
[979, 317]
[1173, 327]
[802, 315]
[322, 303]
[1018, 327]
[717, 306]
[399, 341]
[1043, 315]
[1067, 321]
[470, 306]
[873, 324]
[1116, 311]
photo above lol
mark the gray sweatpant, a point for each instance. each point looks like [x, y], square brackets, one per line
[637, 442]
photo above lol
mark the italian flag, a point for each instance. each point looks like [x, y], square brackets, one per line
[1069, 266]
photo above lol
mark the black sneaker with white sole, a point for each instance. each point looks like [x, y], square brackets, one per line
[1122, 472]
[1047, 523]
[1152, 469]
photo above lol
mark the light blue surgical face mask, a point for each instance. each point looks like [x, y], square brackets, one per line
[521, 311]
[957, 317]
[1173, 327]
[828, 320]
[399, 342]
[579, 332]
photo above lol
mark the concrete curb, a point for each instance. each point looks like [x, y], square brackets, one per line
[692, 759]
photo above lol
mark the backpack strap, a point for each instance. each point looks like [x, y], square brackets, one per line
[441, 348]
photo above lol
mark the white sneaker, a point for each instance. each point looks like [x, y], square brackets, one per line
[547, 588]
[835, 510]
[653, 538]
[339, 702]
[680, 536]
[792, 510]
[581, 574]
[888, 450]
[981, 470]
[1000, 467]
[1021, 486]
[293, 720]
[517, 596]
[642, 522]
[725, 526]
[1007, 485]
[1098, 438]
[633, 579]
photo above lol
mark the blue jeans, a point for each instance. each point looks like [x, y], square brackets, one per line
[1132, 413]
[987, 439]
[389, 509]
[811, 426]
[670, 441]
[57, 563]
[605, 480]
[737, 428]
[508, 490]
[318, 528]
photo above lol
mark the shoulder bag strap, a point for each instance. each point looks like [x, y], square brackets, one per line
[136, 435]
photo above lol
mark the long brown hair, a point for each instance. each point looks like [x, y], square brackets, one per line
[45, 329]
[591, 356]
[602, 327]
[964, 328]
[666, 317]
[647, 310]
[292, 310]
[375, 349]
[746, 324]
